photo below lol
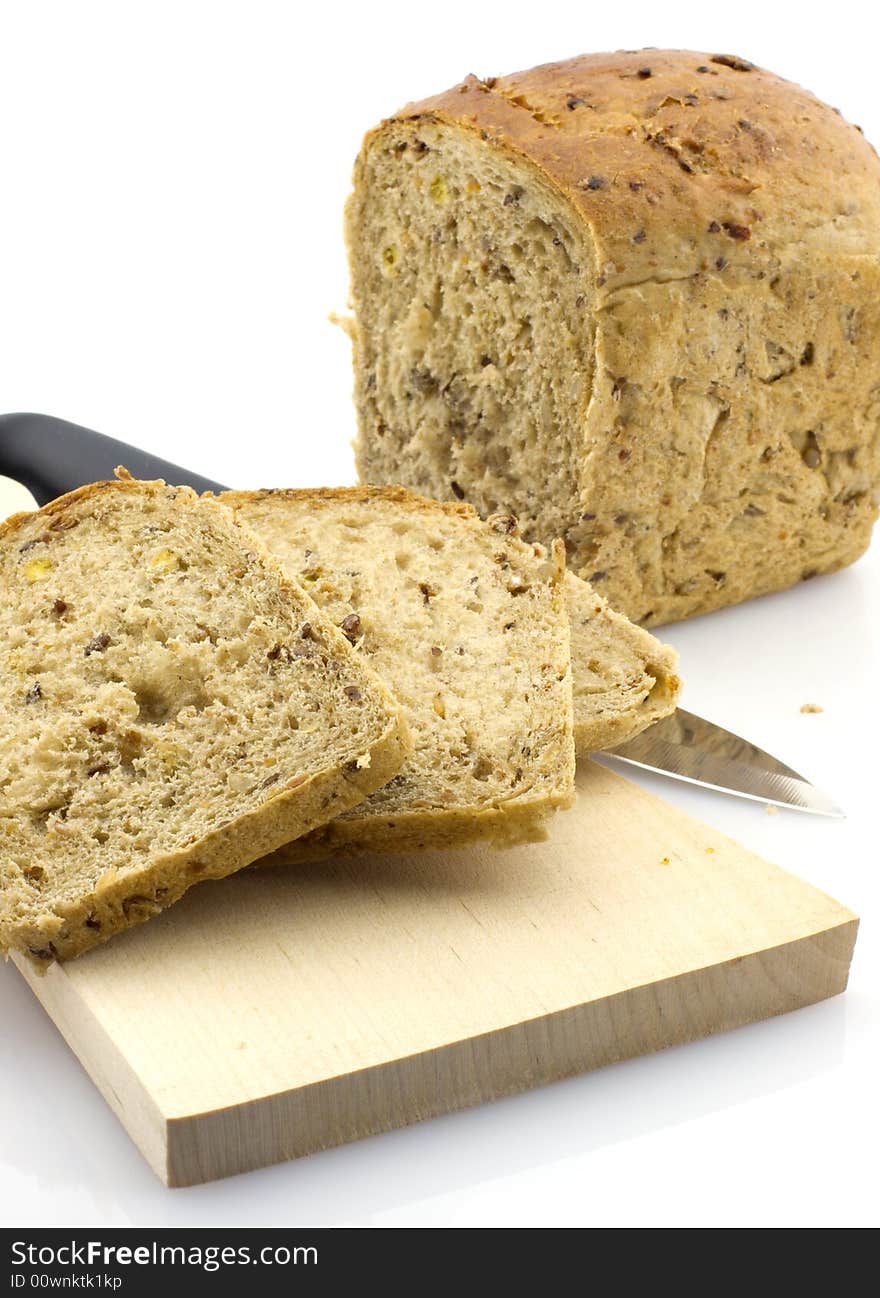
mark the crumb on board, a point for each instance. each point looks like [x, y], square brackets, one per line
[664, 860]
[811, 707]
[710, 849]
[770, 810]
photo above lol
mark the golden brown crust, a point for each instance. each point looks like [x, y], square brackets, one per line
[674, 154]
[91, 489]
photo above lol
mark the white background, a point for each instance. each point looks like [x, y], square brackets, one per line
[172, 178]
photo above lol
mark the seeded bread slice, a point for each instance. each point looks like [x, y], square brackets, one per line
[469, 626]
[623, 678]
[172, 708]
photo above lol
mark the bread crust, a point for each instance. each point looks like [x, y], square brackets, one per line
[764, 141]
[423, 831]
[729, 211]
[122, 898]
[121, 901]
[393, 494]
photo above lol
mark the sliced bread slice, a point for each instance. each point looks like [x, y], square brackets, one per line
[623, 678]
[173, 707]
[468, 624]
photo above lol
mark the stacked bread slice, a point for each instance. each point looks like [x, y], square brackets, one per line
[190, 685]
[471, 626]
[483, 640]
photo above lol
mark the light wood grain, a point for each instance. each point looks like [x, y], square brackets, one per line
[287, 1010]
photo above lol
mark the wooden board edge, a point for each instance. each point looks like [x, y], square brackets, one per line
[108, 1068]
[207, 1146]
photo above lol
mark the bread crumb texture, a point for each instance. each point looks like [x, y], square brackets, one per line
[633, 299]
[623, 678]
[469, 626]
[811, 707]
[172, 708]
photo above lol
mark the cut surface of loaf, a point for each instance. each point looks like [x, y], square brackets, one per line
[172, 708]
[633, 299]
[623, 678]
[468, 625]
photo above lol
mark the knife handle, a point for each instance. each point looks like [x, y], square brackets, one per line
[50, 456]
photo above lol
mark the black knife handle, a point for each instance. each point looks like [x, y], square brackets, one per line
[50, 456]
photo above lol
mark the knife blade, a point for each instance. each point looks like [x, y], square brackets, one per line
[50, 456]
[686, 747]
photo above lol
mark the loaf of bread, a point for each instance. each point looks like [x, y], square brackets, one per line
[633, 299]
[468, 625]
[171, 708]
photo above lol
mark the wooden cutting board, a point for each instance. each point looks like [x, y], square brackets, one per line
[289, 1009]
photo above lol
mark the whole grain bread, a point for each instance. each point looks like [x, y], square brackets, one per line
[634, 299]
[468, 625]
[172, 708]
[623, 678]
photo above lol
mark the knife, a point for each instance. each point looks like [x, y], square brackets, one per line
[686, 747]
[50, 456]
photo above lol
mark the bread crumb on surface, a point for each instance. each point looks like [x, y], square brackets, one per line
[811, 707]
[770, 810]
